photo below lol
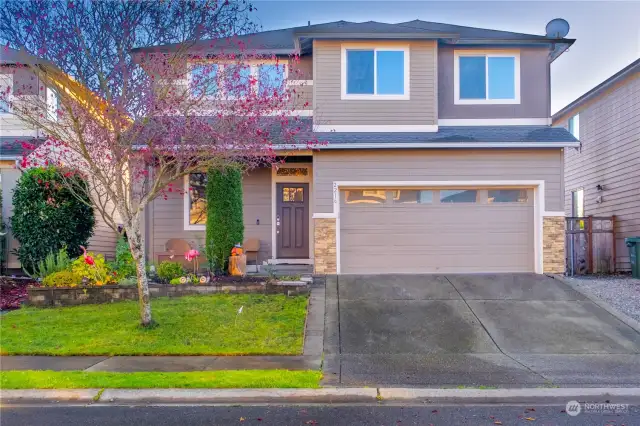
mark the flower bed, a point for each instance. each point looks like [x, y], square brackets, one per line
[13, 291]
[68, 296]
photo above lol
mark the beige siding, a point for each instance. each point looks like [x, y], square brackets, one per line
[9, 178]
[167, 221]
[104, 239]
[420, 109]
[609, 156]
[437, 165]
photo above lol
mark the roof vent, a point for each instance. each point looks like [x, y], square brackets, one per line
[557, 28]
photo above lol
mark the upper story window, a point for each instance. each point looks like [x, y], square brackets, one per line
[574, 126]
[52, 104]
[375, 73]
[486, 78]
[234, 81]
[6, 86]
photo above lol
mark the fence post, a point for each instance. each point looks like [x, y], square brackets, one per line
[613, 237]
[590, 247]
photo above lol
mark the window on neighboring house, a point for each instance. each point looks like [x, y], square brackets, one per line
[574, 126]
[577, 203]
[6, 86]
[52, 104]
[375, 72]
[196, 200]
[487, 78]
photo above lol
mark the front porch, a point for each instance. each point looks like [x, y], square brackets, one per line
[277, 210]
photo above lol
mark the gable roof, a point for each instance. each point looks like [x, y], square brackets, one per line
[627, 71]
[295, 39]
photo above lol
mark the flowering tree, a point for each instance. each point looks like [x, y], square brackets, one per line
[131, 121]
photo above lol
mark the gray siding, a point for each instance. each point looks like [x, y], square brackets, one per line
[104, 239]
[167, 219]
[534, 89]
[420, 109]
[609, 156]
[413, 165]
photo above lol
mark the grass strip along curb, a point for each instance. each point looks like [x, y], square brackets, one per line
[221, 379]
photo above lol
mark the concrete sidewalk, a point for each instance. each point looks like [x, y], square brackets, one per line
[128, 364]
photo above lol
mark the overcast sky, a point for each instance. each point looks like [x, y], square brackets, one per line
[607, 33]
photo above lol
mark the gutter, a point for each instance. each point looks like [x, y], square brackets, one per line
[432, 145]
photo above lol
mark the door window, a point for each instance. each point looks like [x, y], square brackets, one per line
[292, 195]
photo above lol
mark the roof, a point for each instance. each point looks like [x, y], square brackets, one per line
[627, 71]
[14, 147]
[449, 137]
[291, 40]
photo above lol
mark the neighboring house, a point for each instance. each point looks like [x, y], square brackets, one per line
[13, 132]
[438, 155]
[602, 175]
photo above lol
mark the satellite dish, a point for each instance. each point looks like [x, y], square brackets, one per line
[557, 28]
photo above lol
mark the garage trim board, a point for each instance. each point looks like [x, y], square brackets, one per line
[538, 187]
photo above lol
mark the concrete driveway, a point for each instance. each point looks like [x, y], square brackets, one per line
[510, 329]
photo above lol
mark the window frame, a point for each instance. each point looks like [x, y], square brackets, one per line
[571, 125]
[10, 78]
[254, 71]
[457, 54]
[186, 213]
[375, 47]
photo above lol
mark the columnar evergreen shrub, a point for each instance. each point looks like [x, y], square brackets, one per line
[48, 216]
[225, 224]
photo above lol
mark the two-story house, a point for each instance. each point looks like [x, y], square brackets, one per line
[437, 155]
[17, 77]
[602, 175]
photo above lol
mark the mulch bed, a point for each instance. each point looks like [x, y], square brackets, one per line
[13, 291]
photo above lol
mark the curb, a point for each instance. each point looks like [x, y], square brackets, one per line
[325, 396]
[601, 303]
[522, 395]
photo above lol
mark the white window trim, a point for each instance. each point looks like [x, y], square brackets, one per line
[488, 54]
[186, 208]
[375, 47]
[253, 67]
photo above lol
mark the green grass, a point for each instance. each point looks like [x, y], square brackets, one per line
[193, 380]
[194, 325]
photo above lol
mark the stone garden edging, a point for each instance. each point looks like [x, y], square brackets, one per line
[71, 296]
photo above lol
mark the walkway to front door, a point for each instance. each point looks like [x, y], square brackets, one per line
[292, 220]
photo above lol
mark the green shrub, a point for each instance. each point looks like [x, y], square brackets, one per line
[62, 279]
[124, 264]
[170, 270]
[225, 223]
[175, 281]
[48, 216]
[98, 273]
[128, 282]
[190, 279]
[52, 263]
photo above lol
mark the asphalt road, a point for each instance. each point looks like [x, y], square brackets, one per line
[306, 415]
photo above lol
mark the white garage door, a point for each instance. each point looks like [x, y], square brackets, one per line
[461, 230]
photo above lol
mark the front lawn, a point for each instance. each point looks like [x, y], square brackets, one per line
[195, 379]
[192, 325]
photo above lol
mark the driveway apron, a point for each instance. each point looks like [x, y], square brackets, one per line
[472, 330]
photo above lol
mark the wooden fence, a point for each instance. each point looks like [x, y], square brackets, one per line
[590, 245]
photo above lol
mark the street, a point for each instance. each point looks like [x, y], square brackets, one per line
[105, 415]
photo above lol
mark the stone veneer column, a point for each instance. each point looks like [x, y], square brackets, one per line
[553, 235]
[324, 247]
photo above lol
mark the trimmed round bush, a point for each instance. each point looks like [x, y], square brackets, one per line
[48, 216]
[168, 271]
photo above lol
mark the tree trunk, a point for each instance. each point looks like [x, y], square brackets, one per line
[136, 244]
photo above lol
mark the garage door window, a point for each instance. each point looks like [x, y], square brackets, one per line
[458, 195]
[508, 196]
[412, 196]
[365, 196]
